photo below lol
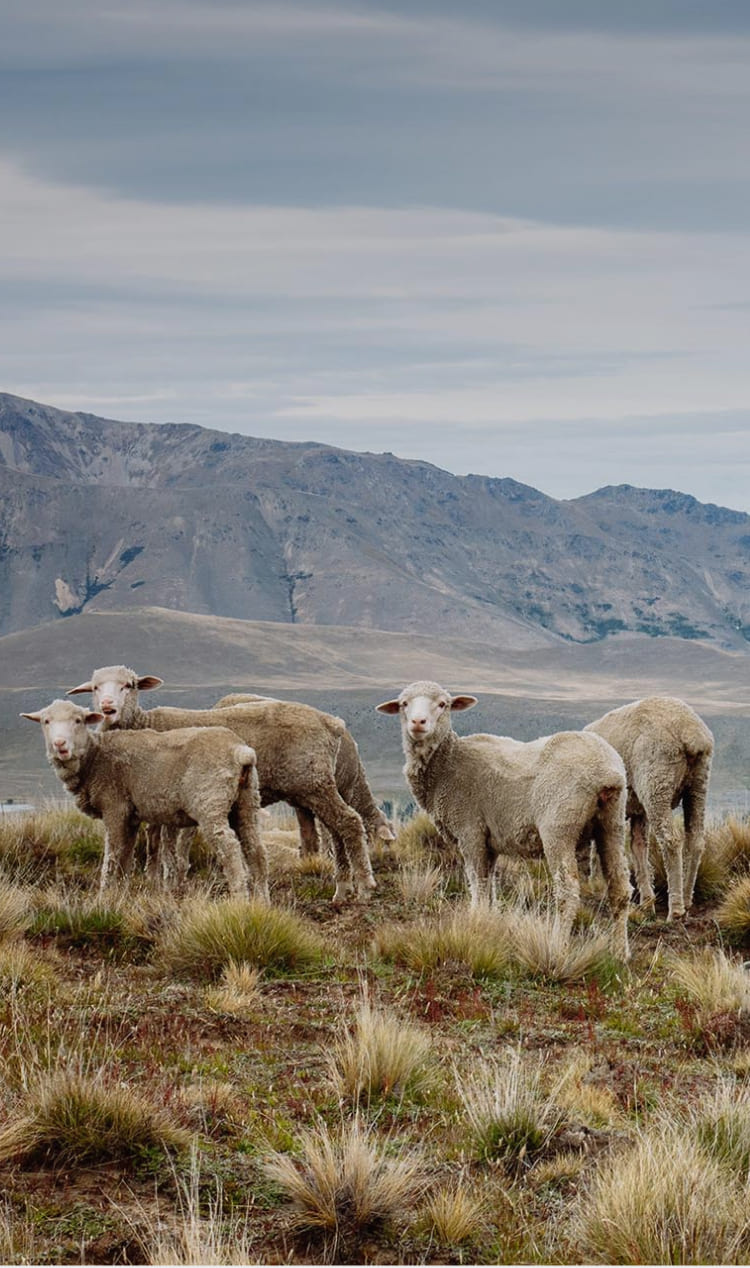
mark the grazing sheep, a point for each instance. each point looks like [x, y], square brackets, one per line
[195, 775]
[296, 748]
[667, 751]
[351, 782]
[492, 795]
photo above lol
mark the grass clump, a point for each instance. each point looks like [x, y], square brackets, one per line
[713, 982]
[206, 936]
[75, 1118]
[343, 1186]
[237, 992]
[420, 883]
[722, 1126]
[21, 967]
[384, 1056]
[663, 1202]
[15, 911]
[454, 1215]
[511, 1117]
[475, 936]
[733, 913]
[539, 948]
[197, 1231]
[103, 923]
[36, 847]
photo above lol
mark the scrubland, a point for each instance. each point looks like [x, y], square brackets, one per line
[207, 1080]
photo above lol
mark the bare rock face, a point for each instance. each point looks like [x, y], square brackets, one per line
[98, 515]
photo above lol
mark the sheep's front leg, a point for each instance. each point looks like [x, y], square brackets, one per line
[479, 865]
[350, 844]
[119, 844]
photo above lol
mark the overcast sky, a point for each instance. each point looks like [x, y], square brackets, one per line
[505, 236]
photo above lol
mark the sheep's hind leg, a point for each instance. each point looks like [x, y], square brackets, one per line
[223, 840]
[609, 837]
[566, 887]
[244, 819]
[309, 841]
[641, 863]
[694, 816]
[350, 844]
[660, 819]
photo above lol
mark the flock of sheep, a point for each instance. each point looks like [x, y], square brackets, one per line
[559, 796]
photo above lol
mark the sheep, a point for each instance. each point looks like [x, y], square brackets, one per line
[667, 751]
[296, 748]
[194, 775]
[351, 782]
[492, 795]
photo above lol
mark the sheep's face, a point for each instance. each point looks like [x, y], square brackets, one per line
[425, 709]
[64, 729]
[115, 691]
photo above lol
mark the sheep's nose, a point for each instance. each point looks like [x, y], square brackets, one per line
[60, 743]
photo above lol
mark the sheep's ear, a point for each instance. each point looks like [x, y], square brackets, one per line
[389, 706]
[80, 689]
[148, 682]
[463, 702]
[92, 716]
[33, 717]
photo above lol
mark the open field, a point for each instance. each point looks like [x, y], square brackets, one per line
[347, 671]
[201, 1081]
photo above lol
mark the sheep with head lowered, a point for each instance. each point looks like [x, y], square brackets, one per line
[667, 750]
[192, 776]
[492, 796]
[351, 782]
[296, 748]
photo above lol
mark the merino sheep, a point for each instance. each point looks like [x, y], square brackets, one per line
[194, 775]
[492, 795]
[351, 782]
[667, 751]
[296, 748]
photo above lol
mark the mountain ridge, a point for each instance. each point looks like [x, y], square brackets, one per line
[100, 515]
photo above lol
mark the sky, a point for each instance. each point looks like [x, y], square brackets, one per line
[504, 236]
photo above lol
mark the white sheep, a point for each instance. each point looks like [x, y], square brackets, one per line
[192, 776]
[667, 751]
[492, 795]
[296, 747]
[351, 782]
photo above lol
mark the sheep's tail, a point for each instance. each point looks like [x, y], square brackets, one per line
[245, 755]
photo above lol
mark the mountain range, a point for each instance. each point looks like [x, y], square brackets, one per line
[98, 515]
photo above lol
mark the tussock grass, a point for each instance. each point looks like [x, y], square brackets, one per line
[21, 967]
[733, 913]
[115, 922]
[418, 839]
[475, 936]
[665, 1201]
[71, 1118]
[344, 1185]
[713, 982]
[384, 1056]
[420, 884]
[58, 841]
[587, 1101]
[237, 992]
[510, 1115]
[455, 1215]
[15, 910]
[540, 949]
[722, 1126]
[206, 936]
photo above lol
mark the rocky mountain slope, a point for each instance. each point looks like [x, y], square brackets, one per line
[99, 516]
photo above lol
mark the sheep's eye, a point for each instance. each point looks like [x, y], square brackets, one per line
[78, 721]
[441, 704]
[46, 721]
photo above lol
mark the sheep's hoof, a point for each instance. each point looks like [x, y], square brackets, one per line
[342, 893]
[365, 888]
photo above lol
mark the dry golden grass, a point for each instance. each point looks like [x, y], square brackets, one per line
[455, 1215]
[713, 982]
[540, 948]
[383, 1056]
[15, 910]
[474, 936]
[238, 990]
[420, 883]
[511, 1117]
[36, 846]
[206, 936]
[20, 967]
[583, 1100]
[733, 914]
[664, 1201]
[722, 1125]
[71, 1118]
[346, 1184]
